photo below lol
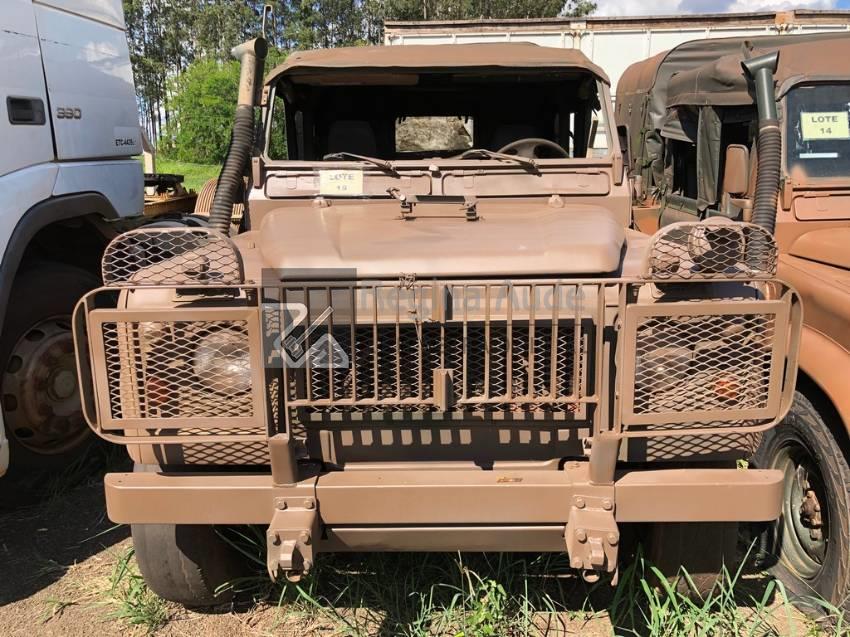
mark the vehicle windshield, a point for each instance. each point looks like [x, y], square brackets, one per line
[818, 131]
[440, 116]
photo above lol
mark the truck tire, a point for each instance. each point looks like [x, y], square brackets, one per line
[186, 563]
[701, 549]
[38, 373]
[808, 548]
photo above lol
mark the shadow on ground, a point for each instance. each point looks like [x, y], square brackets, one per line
[51, 522]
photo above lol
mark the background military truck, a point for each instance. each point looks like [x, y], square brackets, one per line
[434, 342]
[69, 126]
[698, 141]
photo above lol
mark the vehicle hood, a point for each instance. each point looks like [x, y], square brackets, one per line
[508, 240]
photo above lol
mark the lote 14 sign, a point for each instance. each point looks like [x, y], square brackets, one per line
[826, 125]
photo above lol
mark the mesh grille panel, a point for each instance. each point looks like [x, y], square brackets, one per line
[151, 369]
[703, 362]
[171, 256]
[712, 250]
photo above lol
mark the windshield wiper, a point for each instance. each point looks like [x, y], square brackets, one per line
[383, 164]
[528, 162]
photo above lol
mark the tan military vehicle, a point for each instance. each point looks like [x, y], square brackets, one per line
[702, 125]
[433, 330]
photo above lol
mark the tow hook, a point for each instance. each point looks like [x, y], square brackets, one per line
[291, 538]
[810, 512]
[592, 536]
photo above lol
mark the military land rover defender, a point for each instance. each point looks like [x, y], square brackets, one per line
[759, 131]
[432, 329]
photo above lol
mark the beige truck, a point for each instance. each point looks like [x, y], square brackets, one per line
[713, 136]
[434, 330]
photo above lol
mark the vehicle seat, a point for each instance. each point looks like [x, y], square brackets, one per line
[352, 136]
[507, 133]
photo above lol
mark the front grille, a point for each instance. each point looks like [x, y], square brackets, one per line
[518, 351]
[151, 369]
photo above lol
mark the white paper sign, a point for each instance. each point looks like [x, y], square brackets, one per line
[826, 125]
[341, 182]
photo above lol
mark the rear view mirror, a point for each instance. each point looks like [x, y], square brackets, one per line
[736, 174]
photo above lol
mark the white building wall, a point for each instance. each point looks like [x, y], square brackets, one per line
[612, 49]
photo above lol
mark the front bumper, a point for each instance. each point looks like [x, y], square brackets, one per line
[446, 509]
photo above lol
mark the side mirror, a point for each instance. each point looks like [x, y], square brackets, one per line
[736, 174]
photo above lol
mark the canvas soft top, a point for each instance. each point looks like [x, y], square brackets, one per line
[434, 58]
[723, 82]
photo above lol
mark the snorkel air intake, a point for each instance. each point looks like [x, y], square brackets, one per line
[252, 57]
[760, 70]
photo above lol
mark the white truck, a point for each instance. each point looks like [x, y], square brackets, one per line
[68, 133]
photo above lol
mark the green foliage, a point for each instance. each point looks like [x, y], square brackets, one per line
[202, 112]
[134, 603]
[194, 175]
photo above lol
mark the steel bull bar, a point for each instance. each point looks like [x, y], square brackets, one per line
[447, 509]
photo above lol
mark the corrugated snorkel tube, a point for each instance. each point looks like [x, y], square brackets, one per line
[760, 70]
[252, 57]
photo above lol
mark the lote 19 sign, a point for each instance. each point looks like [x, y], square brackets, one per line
[826, 125]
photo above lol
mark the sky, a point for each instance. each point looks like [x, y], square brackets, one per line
[666, 7]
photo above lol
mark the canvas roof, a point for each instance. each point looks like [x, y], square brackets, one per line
[723, 82]
[434, 58]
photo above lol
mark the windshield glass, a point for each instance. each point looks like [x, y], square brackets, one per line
[440, 116]
[818, 131]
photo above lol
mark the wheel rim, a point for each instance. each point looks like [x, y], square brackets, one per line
[804, 525]
[41, 401]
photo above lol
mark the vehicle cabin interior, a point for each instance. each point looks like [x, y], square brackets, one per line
[398, 116]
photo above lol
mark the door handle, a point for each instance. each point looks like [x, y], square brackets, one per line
[26, 111]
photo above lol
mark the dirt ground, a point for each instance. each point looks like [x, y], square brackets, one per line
[57, 577]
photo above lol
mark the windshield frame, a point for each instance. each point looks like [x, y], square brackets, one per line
[606, 115]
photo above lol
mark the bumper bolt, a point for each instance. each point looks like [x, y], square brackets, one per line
[607, 504]
[581, 535]
[613, 538]
[576, 562]
[579, 502]
[309, 505]
[281, 505]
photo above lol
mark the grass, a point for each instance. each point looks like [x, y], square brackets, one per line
[195, 175]
[422, 595]
[130, 600]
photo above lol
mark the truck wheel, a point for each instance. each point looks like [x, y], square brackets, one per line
[701, 549]
[186, 563]
[809, 544]
[38, 385]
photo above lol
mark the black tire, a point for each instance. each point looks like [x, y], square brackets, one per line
[803, 442]
[700, 549]
[42, 296]
[186, 563]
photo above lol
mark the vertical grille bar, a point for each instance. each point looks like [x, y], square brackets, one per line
[465, 350]
[553, 373]
[375, 350]
[306, 345]
[509, 355]
[532, 311]
[330, 333]
[353, 354]
[577, 358]
[398, 393]
[487, 342]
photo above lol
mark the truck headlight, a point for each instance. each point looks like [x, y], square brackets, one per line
[663, 369]
[222, 362]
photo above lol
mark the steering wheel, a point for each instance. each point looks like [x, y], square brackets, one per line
[529, 147]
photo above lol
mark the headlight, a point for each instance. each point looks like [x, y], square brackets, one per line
[663, 369]
[222, 363]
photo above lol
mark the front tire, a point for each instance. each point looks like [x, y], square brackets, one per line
[186, 563]
[808, 548]
[700, 549]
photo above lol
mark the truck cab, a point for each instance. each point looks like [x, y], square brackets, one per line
[433, 329]
[696, 136]
[69, 126]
